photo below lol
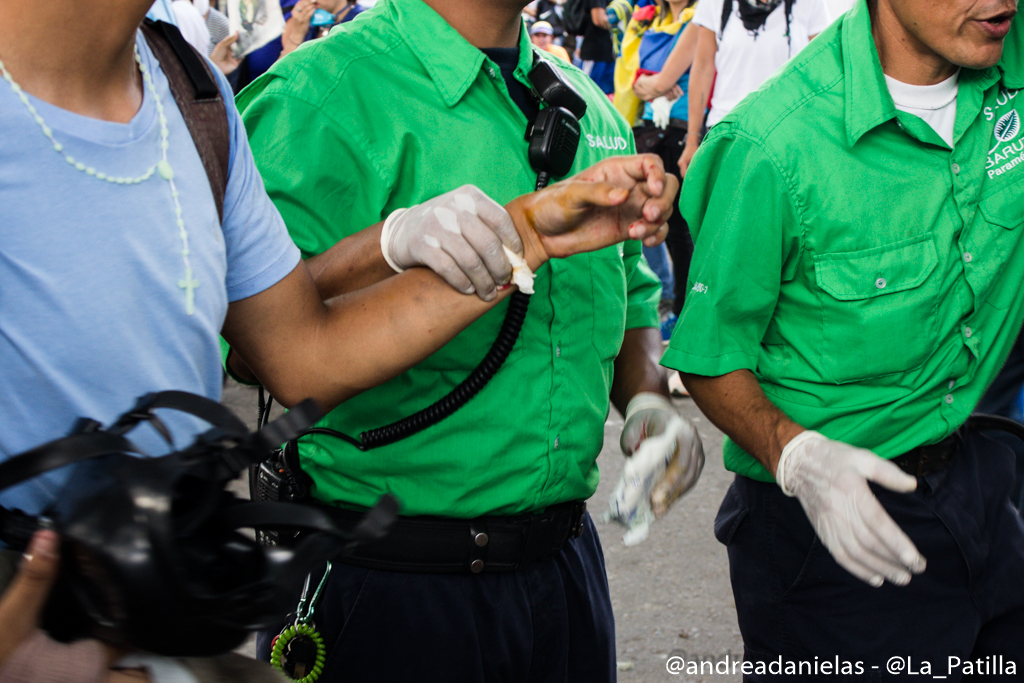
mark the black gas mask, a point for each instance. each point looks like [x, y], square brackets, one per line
[151, 556]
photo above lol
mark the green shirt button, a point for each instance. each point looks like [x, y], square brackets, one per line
[880, 283]
[967, 257]
[956, 169]
[949, 398]
[968, 332]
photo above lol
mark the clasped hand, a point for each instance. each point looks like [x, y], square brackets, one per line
[627, 197]
[460, 235]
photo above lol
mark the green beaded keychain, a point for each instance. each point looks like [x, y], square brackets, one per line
[298, 651]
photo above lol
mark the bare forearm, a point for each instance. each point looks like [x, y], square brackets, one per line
[702, 74]
[636, 367]
[700, 89]
[353, 263]
[358, 339]
[299, 347]
[355, 341]
[736, 404]
[680, 59]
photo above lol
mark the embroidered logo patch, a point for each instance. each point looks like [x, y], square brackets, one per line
[1008, 151]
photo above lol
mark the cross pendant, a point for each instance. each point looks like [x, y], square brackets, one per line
[189, 284]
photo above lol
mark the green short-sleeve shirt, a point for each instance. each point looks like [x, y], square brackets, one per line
[868, 275]
[390, 110]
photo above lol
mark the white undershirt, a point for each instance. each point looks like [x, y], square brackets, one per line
[934, 104]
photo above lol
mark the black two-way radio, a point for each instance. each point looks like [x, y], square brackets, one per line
[553, 138]
[554, 135]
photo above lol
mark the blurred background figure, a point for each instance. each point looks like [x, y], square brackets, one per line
[741, 43]
[305, 20]
[551, 12]
[597, 51]
[619, 13]
[541, 33]
[658, 109]
[216, 22]
[192, 25]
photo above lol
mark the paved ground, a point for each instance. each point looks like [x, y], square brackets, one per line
[671, 593]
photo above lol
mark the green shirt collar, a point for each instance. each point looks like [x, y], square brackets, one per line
[450, 59]
[868, 102]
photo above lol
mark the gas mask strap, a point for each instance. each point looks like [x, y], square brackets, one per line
[199, 406]
[66, 451]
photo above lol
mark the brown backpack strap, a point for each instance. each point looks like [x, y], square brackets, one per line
[199, 100]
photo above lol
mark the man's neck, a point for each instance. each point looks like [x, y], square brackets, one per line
[82, 61]
[484, 23]
[904, 57]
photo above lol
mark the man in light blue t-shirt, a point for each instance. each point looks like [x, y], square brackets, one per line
[116, 275]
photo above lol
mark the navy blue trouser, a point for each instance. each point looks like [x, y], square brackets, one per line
[793, 601]
[549, 622]
[1001, 399]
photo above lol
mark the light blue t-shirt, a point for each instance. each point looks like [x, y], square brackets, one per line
[91, 312]
[680, 107]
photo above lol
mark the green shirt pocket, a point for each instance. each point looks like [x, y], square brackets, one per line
[1004, 208]
[878, 309]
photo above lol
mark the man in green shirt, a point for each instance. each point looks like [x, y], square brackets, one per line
[410, 100]
[857, 273]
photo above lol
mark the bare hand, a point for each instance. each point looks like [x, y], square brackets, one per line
[646, 88]
[224, 56]
[297, 26]
[687, 156]
[627, 197]
[22, 645]
[24, 598]
[652, 191]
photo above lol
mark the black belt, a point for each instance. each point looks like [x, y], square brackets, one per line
[931, 458]
[672, 123]
[484, 544]
[937, 456]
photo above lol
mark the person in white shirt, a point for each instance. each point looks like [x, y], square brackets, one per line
[743, 42]
[192, 25]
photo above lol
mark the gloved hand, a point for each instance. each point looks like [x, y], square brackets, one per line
[830, 479]
[661, 111]
[458, 235]
[667, 457]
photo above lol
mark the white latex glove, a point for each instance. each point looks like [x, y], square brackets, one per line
[830, 479]
[667, 457]
[661, 110]
[459, 235]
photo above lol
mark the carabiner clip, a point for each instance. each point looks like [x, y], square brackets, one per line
[307, 605]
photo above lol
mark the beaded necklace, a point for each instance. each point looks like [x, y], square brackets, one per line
[161, 167]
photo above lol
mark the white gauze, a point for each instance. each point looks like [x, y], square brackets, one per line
[522, 276]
